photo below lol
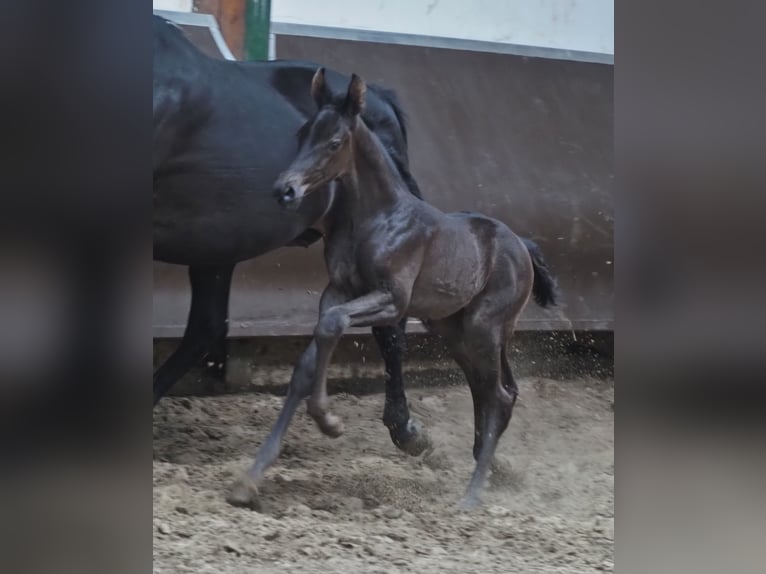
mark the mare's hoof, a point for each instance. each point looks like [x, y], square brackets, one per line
[244, 494]
[412, 439]
[331, 425]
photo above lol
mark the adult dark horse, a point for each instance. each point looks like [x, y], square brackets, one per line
[223, 131]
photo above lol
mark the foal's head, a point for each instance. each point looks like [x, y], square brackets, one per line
[325, 149]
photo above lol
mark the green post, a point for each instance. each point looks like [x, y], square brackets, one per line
[257, 20]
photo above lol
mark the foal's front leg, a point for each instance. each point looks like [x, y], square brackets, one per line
[406, 433]
[376, 308]
[245, 490]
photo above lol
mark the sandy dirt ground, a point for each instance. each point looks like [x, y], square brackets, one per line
[356, 504]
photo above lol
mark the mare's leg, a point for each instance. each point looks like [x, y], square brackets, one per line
[405, 432]
[374, 309]
[245, 490]
[206, 328]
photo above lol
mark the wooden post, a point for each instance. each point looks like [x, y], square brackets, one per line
[258, 19]
[231, 19]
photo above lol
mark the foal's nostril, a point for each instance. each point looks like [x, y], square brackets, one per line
[284, 194]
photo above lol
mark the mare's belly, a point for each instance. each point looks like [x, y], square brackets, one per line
[205, 219]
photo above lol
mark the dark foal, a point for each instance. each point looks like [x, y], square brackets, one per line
[389, 255]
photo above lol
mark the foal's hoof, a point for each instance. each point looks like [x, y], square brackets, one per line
[411, 439]
[331, 425]
[468, 503]
[244, 494]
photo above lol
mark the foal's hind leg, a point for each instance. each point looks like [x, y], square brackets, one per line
[496, 404]
[451, 331]
[480, 354]
[406, 433]
[507, 380]
[206, 328]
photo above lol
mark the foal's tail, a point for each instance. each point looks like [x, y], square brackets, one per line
[544, 288]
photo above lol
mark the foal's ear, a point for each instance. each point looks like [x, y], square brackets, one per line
[319, 90]
[355, 97]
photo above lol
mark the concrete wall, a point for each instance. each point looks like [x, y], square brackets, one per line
[173, 5]
[575, 25]
[563, 29]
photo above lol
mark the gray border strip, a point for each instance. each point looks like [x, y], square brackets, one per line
[288, 29]
[283, 328]
[202, 20]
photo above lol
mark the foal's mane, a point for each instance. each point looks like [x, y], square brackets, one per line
[390, 97]
[379, 149]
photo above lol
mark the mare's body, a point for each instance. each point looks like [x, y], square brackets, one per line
[223, 131]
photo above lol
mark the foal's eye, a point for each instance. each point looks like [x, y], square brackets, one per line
[334, 145]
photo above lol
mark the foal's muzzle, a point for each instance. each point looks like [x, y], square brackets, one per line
[288, 194]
